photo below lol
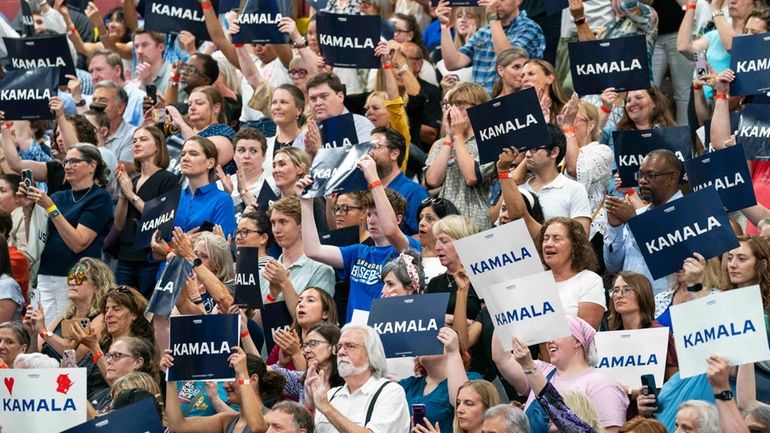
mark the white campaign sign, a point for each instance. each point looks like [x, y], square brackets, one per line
[729, 324]
[627, 355]
[529, 308]
[42, 400]
[498, 255]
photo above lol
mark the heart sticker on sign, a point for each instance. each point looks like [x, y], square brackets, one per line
[9, 384]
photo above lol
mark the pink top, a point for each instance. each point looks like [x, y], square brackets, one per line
[608, 397]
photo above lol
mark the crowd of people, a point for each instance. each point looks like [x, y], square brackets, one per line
[228, 123]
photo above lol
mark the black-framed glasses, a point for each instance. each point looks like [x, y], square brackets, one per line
[76, 277]
[73, 161]
[312, 344]
[117, 356]
[348, 346]
[344, 209]
[652, 176]
[245, 232]
[397, 31]
[299, 72]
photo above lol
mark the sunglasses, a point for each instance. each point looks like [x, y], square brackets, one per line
[78, 277]
[300, 73]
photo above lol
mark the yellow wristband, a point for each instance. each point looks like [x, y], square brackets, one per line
[51, 209]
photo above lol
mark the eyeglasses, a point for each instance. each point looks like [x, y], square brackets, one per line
[347, 346]
[345, 209]
[397, 31]
[244, 232]
[117, 356]
[78, 277]
[624, 291]
[188, 69]
[535, 149]
[458, 104]
[652, 176]
[378, 146]
[312, 344]
[300, 73]
[73, 161]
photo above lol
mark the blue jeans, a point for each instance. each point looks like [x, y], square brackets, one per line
[141, 275]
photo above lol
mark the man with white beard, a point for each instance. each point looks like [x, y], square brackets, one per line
[367, 403]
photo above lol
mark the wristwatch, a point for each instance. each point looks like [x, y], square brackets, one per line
[54, 213]
[197, 262]
[134, 198]
[580, 21]
[302, 43]
[718, 13]
[494, 17]
[402, 70]
[81, 103]
[724, 396]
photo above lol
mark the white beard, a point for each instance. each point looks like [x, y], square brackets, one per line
[345, 368]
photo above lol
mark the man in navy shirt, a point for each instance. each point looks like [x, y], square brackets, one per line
[362, 263]
[388, 154]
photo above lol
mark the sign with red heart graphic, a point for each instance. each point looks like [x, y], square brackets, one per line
[9, 384]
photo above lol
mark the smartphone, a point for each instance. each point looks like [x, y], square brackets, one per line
[152, 92]
[418, 414]
[26, 177]
[701, 66]
[649, 388]
[207, 226]
[66, 324]
[34, 299]
[158, 115]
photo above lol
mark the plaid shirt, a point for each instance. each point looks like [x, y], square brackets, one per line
[522, 32]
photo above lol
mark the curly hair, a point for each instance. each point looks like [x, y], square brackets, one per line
[101, 277]
[583, 256]
[661, 114]
[132, 300]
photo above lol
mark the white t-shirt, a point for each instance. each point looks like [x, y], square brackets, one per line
[274, 73]
[562, 197]
[585, 286]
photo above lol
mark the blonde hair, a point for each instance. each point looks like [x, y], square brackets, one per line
[582, 406]
[143, 381]
[102, 278]
[485, 390]
[455, 226]
[591, 114]
[298, 157]
[478, 13]
[468, 92]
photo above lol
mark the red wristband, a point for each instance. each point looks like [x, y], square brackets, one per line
[270, 298]
[239, 45]
[697, 87]
[691, 6]
[73, 30]
[97, 356]
[169, 250]
[631, 192]
[448, 25]
[8, 125]
[568, 130]
[206, 5]
[175, 78]
[375, 184]
[447, 143]
[605, 109]
[504, 175]
[721, 96]
[388, 66]
[245, 334]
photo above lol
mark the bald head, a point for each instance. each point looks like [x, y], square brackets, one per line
[414, 56]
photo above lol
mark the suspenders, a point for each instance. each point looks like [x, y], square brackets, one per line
[370, 409]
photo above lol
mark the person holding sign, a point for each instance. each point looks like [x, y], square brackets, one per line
[571, 368]
[659, 176]
[151, 160]
[253, 385]
[80, 220]
[453, 171]
[254, 231]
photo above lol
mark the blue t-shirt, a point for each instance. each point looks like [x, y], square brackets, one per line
[363, 263]
[438, 408]
[414, 195]
[209, 204]
[90, 208]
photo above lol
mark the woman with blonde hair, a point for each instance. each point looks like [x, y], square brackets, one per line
[510, 71]
[465, 182]
[473, 399]
[290, 164]
[581, 405]
[541, 75]
[465, 21]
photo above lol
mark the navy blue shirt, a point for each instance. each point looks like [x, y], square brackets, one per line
[90, 208]
[208, 204]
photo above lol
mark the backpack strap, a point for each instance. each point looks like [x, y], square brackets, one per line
[335, 393]
[371, 403]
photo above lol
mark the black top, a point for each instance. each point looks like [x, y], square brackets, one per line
[55, 180]
[670, 16]
[424, 109]
[159, 183]
[445, 283]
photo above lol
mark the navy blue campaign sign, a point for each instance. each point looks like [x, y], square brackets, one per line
[173, 16]
[266, 196]
[201, 345]
[78, 5]
[334, 170]
[620, 63]
[553, 7]
[754, 131]
[728, 172]
[169, 286]
[158, 214]
[41, 52]
[258, 21]
[338, 131]
[228, 5]
[512, 120]
[696, 223]
[275, 316]
[139, 417]
[750, 60]
[27, 22]
[341, 237]
[632, 146]
[409, 325]
[247, 291]
[348, 41]
[24, 94]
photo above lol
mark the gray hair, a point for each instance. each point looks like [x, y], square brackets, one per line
[120, 93]
[515, 419]
[34, 360]
[763, 222]
[591, 355]
[708, 418]
[760, 412]
[300, 417]
[400, 270]
[374, 349]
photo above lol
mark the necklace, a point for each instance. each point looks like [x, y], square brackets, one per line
[72, 193]
[449, 280]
